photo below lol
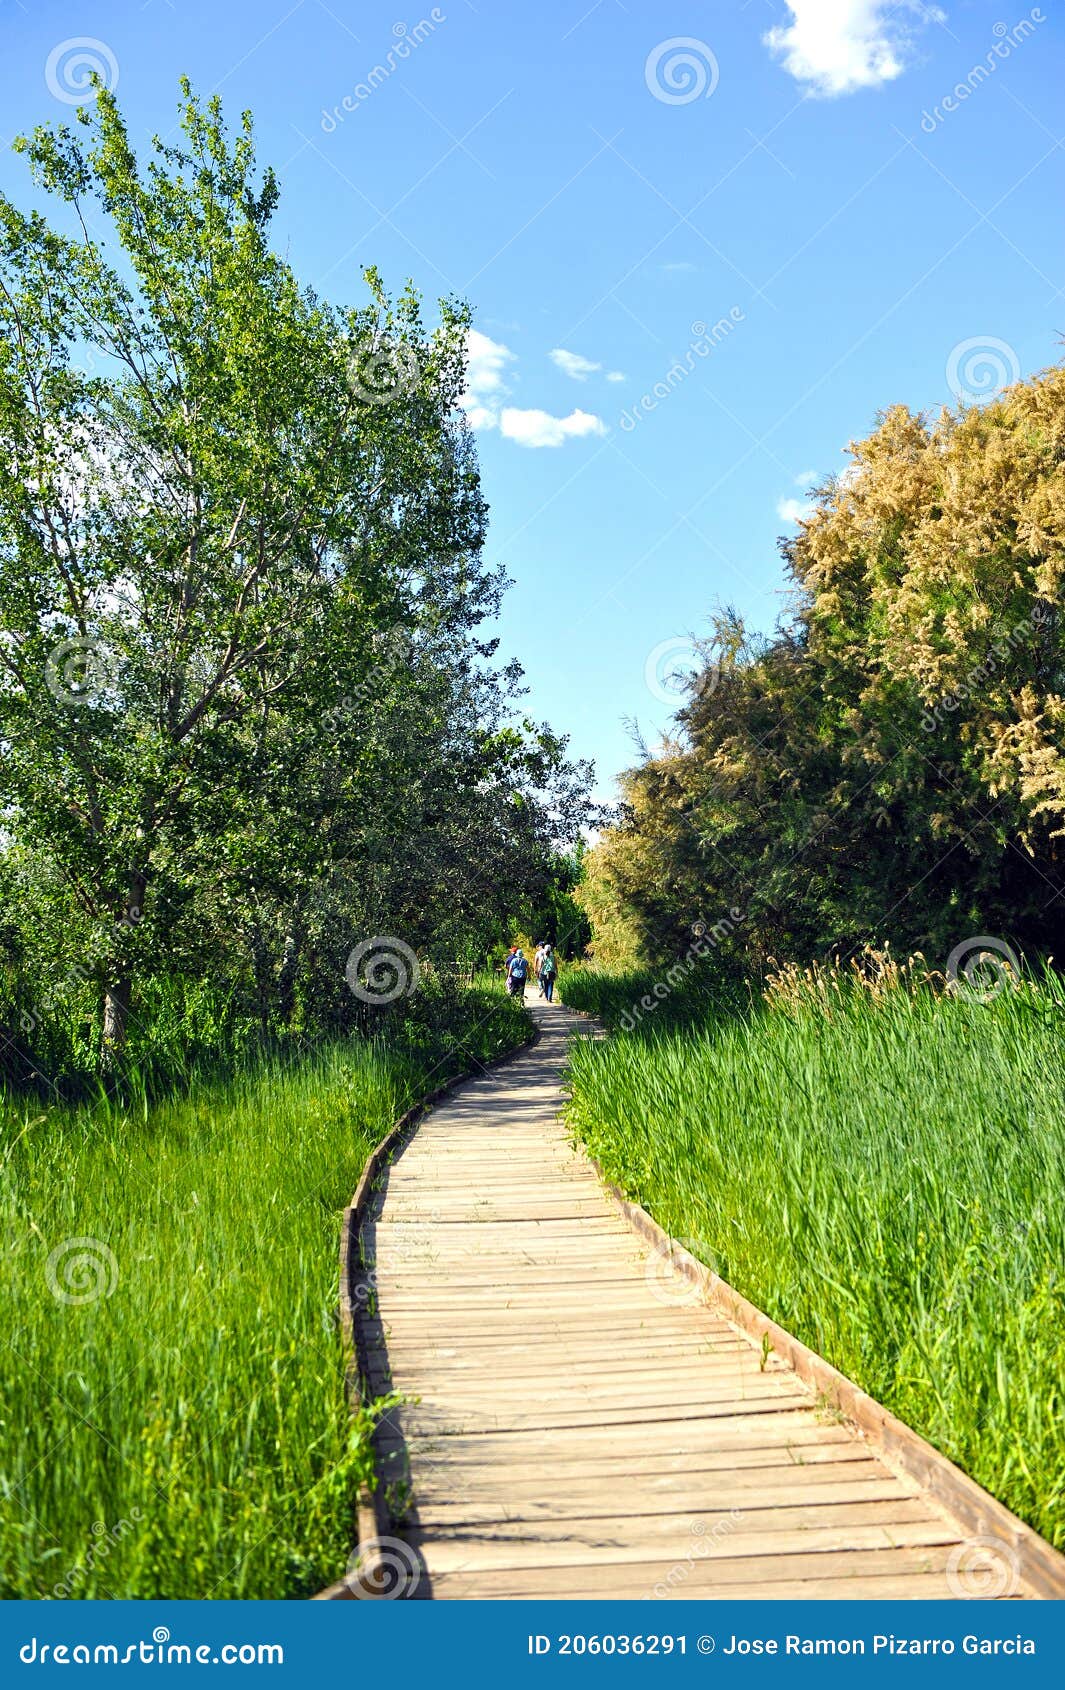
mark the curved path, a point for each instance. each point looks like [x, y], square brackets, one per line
[574, 1423]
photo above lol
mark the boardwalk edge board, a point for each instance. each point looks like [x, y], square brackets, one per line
[372, 1519]
[1037, 1562]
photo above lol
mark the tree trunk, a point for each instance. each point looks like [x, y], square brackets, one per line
[263, 974]
[286, 978]
[117, 992]
[116, 1015]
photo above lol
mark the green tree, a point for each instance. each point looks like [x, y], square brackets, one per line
[241, 580]
[891, 765]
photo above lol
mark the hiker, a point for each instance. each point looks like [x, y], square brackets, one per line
[537, 960]
[548, 970]
[517, 972]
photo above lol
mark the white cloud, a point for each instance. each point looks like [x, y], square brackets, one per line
[539, 428]
[806, 478]
[679, 267]
[478, 415]
[486, 359]
[838, 46]
[573, 365]
[486, 363]
[794, 510]
[615, 375]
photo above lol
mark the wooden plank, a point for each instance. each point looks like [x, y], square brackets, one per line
[481, 1511]
[429, 1417]
[753, 1554]
[570, 1403]
[425, 1368]
[505, 1497]
[559, 1286]
[644, 1337]
[723, 1432]
[657, 1516]
[672, 1582]
[819, 1463]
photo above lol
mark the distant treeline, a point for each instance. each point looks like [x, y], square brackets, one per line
[890, 767]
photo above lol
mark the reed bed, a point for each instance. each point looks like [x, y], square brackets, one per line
[879, 1164]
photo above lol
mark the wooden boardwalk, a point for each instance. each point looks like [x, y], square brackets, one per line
[575, 1423]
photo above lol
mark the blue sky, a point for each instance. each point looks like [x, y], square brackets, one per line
[863, 196]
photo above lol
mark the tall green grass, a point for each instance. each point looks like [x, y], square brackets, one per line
[883, 1174]
[184, 1433]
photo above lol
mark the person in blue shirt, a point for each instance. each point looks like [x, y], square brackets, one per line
[517, 973]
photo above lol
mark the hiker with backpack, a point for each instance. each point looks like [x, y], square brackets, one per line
[517, 973]
[548, 971]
